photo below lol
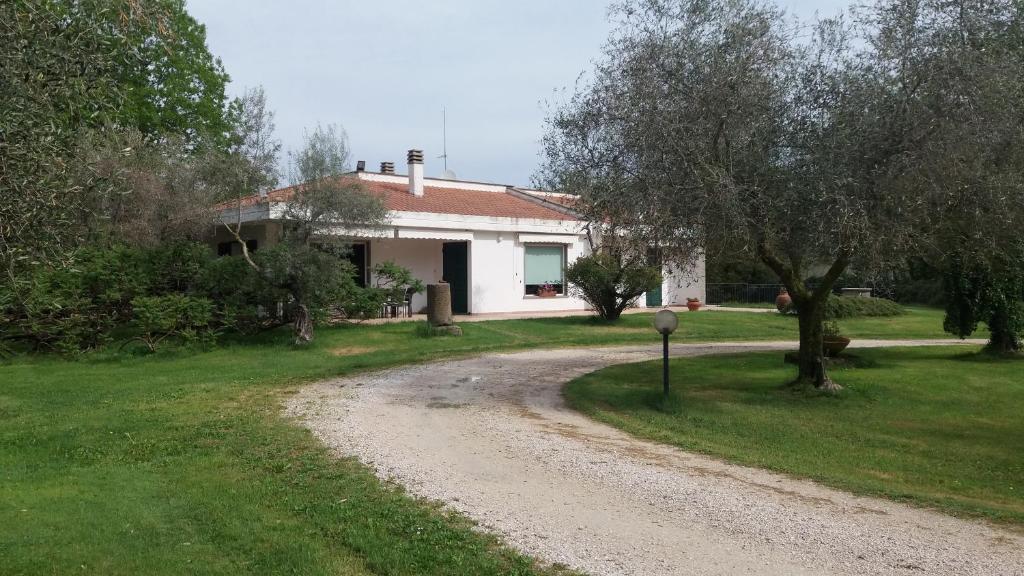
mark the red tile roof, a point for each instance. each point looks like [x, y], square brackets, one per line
[437, 200]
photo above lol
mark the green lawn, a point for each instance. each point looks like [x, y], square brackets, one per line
[935, 426]
[181, 462]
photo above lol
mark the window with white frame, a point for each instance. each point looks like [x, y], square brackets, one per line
[544, 267]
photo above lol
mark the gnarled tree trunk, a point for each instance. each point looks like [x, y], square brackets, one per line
[810, 305]
[811, 358]
[303, 325]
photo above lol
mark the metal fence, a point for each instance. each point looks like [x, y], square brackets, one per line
[743, 293]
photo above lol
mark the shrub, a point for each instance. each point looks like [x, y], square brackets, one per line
[241, 300]
[983, 291]
[74, 306]
[838, 307]
[610, 282]
[185, 318]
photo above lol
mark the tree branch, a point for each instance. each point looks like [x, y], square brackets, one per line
[833, 274]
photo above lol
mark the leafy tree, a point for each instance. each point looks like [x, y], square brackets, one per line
[972, 163]
[308, 263]
[147, 192]
[173, 84]
[713, 127]
[254, 153]
[68, 68]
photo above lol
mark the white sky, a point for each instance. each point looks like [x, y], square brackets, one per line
[384, 70]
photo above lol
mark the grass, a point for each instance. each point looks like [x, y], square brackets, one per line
[181, 462]
[938, 427]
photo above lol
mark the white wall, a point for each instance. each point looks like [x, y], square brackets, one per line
[680, 284]
[421, 257]
[496, 271]
[496, 275]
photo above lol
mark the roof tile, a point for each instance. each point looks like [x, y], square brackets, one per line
[437, 200]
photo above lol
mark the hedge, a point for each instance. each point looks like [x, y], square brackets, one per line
[840, 307]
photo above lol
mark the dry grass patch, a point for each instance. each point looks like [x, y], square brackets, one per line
[352, 350]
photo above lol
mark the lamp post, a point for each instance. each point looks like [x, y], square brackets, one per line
[666, 322]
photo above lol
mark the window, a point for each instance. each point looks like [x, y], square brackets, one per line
[545, 265]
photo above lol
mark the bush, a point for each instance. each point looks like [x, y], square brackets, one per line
[74, 306]
[838, 307]
[242, 302]
[77, 305]
[185, 318]
[611, 283]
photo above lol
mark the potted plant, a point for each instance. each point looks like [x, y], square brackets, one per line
[783, 301]
[833, 342]
[693, 304]
[547, 290]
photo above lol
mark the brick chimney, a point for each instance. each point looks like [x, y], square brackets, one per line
[416, 172]
[387, 167]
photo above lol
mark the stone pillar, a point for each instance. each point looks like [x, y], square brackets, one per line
[439, 304]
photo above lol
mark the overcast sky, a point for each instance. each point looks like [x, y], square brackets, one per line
[384, 70]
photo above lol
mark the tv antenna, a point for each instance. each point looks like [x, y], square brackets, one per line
[447, 174]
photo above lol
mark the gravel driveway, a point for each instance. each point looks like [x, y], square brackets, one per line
[491, 437]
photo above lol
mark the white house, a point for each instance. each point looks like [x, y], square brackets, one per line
[495, 244]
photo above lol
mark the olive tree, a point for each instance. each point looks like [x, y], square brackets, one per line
[70, 68]
[972, 162]
[308, 263]
[719, 127]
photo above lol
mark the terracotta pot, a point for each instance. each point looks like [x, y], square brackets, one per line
[833, 345]
[783, 301]
[693, 306]
[546, 293]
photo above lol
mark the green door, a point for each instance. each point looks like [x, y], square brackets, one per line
[654, 297]
[455, 271]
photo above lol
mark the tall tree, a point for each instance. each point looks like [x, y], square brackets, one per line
[173, 84]
[253, 142]
[712, 127]
[68, 68]
[972, 162]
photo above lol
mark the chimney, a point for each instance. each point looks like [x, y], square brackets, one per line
[416, 172]
[360, 166]
[387, 167]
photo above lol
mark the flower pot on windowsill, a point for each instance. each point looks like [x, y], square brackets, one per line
[546, 293]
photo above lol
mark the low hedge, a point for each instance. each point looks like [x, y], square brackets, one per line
[839, 307]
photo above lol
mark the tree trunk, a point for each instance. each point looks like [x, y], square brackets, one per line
[303, 325]
[811, 358]
[810, 305]
[1003, 338]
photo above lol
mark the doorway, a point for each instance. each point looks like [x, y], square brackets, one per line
[654, 298]
[455, 271]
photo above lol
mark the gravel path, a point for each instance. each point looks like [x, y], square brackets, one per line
[491, 437]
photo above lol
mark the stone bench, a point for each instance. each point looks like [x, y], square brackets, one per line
[855, 292]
